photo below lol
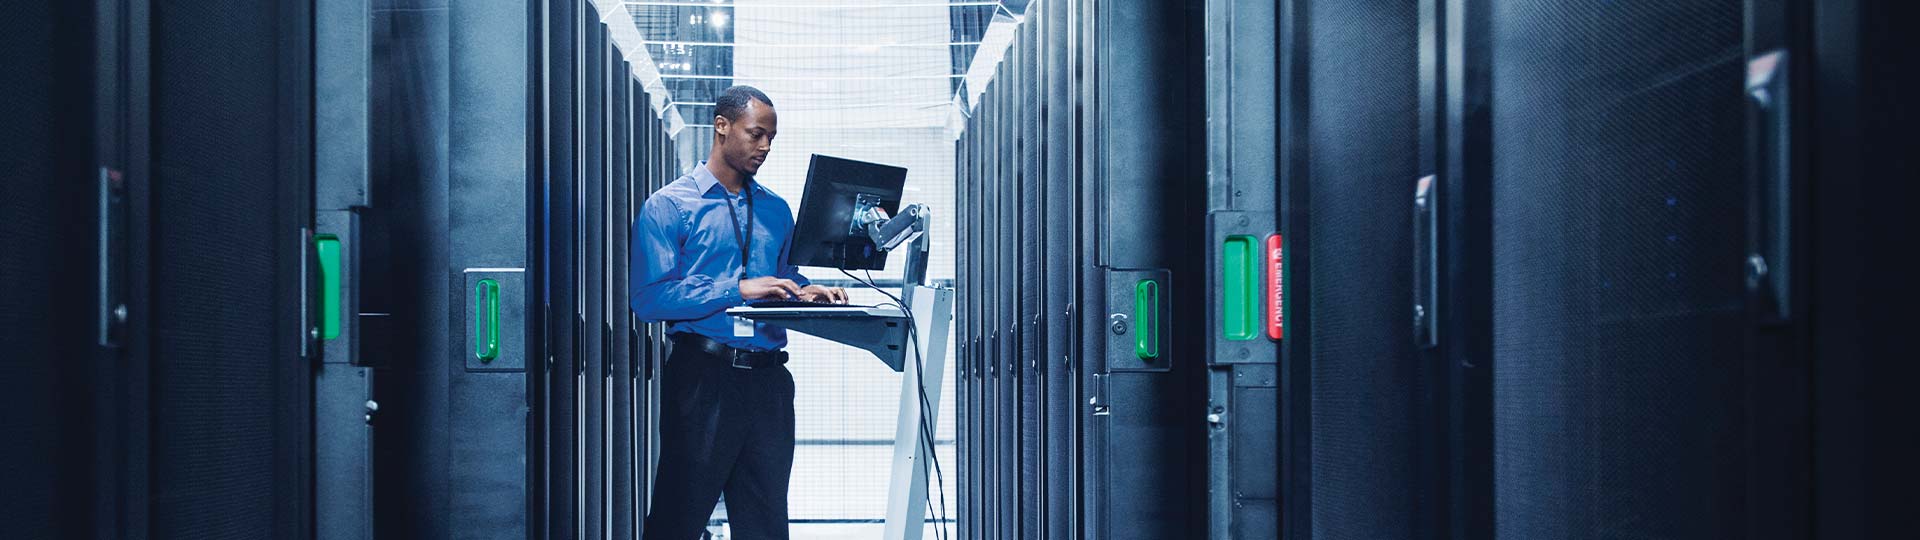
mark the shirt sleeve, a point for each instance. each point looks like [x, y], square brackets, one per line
[660, 290]
[789, 271]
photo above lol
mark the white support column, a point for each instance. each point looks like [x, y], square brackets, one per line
[907, 487]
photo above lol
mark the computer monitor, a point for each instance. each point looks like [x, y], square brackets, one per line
[837, 188]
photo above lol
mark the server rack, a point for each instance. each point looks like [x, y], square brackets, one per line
[445, 298]
[962, 349]
[606, 149]
[1650, 138]
[562, 331]
[1075, 245]
[158, 367]
[1059, 268]
[1144, 138]
[620, 397]
[591, 256]
[1244, 280]
[225, 264]
[963, 366]
[1375, 452]
[1013, 367]
[487, 223]
[1032, 274]
[76, 139]
[1605, 334]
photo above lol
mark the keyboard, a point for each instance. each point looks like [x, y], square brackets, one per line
[799, 304]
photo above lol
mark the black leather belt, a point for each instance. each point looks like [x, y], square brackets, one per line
[738, 358]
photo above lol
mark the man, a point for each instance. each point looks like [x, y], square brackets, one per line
[712, 240]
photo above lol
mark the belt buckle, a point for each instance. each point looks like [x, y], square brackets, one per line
[739, 360]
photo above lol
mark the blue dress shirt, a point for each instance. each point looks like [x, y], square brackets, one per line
[685, 267]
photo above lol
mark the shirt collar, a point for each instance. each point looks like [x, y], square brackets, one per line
[704, 180]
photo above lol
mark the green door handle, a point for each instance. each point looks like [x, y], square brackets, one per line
[1240, 263]
[1146, 317]
[328, 248]
[486, 309]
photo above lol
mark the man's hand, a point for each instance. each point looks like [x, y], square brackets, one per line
[769, 288]
[816, 293]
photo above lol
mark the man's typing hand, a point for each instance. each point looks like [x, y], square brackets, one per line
[816, 293]
[769, 288]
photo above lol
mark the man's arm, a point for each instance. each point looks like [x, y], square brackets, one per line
[659, 293]
[789, 271]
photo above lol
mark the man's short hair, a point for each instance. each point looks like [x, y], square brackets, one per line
[733, 101]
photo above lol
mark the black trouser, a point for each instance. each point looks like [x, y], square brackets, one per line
[722, 429]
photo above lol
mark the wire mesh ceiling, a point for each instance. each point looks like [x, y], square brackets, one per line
[686, 51]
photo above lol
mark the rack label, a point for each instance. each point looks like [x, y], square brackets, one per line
[1276, 288]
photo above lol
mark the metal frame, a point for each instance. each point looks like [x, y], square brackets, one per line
[343, 385]
[907, 484]
[1243, 380]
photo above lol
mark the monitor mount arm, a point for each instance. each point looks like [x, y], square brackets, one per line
[889, 233]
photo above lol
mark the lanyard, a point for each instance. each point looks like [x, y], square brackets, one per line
[744, 236]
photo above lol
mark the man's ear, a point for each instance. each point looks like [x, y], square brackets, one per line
[720, 125]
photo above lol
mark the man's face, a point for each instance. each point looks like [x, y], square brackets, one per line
[744, 142]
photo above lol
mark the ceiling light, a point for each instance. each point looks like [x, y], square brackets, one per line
[719, 19]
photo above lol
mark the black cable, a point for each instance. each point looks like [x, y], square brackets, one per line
[926, 436]
[926, 428]
[933, 448]
[926, 405]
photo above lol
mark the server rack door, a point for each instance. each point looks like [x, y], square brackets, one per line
[1146, 208]
[965, 404]
[987, 250]
[658, 149]
[562, 182]
[982, 346]
[977, 285]
[1370, 435]
[1058, 269]
[978, 259]
[1243, 258]
[990, 320]
[1081, 318]
[229, 393]
[967, 262]
[1031, 279]
[487, 224]
[592, 200]
[983, 322]
[1090, 344]
[647, 137]
[1007, 309]
[620, 484]
[1617, 163]
[963, 289]
[67, 154]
